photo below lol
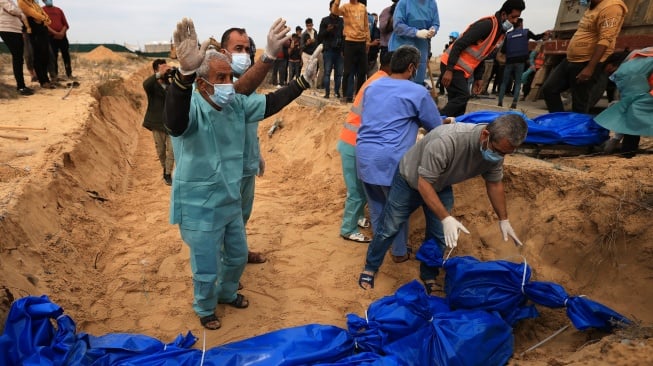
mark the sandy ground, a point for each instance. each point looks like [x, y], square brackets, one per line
[84, 220]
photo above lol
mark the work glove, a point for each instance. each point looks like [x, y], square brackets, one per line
[423, 33]
[451, 227]
[506, 230]
[277, 36]
[189, 55]
[310, 71]
[432, 32]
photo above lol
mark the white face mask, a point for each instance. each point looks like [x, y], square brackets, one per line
[240, 62]
[223, 94]
[506, 25]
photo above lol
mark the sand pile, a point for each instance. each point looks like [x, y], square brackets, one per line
[101, 53]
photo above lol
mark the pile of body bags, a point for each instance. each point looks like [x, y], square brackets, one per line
[472, 325]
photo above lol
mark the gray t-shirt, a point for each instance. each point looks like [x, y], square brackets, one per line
[447, 155]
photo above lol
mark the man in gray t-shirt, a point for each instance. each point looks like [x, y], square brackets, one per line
[447, 155]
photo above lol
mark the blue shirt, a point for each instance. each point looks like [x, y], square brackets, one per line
[393, 111]
[209, 162]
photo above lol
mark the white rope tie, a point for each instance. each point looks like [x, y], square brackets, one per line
[203, 346]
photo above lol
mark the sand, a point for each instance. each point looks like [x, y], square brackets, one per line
[84, 220]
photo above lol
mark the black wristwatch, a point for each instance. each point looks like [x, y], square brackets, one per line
[266, 59]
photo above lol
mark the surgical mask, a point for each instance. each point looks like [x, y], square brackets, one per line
[584, 3]
[489, 155]
[240, 62]
[223, 94]
[48, 2]
[506, 25]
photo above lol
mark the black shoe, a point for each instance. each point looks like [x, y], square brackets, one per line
[513, 106]
[338, 95]
[349, 100]
[25, 91]
[168, 179]
[500, 104]
[326, 96]
[48, 85]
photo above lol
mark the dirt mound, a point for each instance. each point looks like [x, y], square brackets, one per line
[87, 224]
[101, 53]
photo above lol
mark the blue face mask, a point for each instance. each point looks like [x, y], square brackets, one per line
[489, 155]
[506, 25]
[223, 94]
[240, 62]
[48, 2]
[585, 3]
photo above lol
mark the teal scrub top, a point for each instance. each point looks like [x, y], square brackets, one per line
[209, 162]
[632, 114]
[252, 150]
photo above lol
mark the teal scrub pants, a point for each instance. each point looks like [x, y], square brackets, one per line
[355, 201]
[217, 260]
[247, 196]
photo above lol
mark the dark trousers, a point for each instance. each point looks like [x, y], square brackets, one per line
[583, 95]
[280, 71]
[41, 46]
[332, 61]
[14, 42]
[457, 93]
[294, 69]
[355, 54]
[60, 45]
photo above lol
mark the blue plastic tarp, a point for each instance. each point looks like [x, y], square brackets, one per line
[560, 128]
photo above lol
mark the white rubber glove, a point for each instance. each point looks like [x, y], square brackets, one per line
[451, 227]
[277, 36]
[189, 55]
[432, 32]
[507, 231]
[422, 33]
[310, 71]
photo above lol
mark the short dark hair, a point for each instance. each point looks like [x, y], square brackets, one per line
[157, 62]
[331, 3]
[309, 21]
[616, 58]
[298, 28]
[224, 41]
[511, 126]
[403, 57]
[510, 5]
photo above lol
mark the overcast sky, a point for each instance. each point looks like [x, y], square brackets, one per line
[138, 22]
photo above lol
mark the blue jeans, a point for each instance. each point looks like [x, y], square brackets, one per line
[377, 199]
[333, 60]
[402, 201]
[356, 200]
[512, 71]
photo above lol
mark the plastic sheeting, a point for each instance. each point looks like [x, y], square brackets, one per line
[561, 128]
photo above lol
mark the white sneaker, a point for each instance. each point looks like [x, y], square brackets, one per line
[357, 237]
[364, 223]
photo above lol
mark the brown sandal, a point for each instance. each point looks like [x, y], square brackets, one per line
[210, 322]
[256, 257]
[240, 302]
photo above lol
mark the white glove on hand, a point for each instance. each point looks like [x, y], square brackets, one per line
[432, 32]
[185, 39]
[310, 72]
[277, 36]
[451, 227]
[422, 33]
[506, 230]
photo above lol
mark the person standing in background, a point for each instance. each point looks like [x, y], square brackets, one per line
[385, 27]
[309, 43]
[11, 32]
[415, 22]
[155, 87]
[331, 38]
[357, 37]
[38, 23]
[374, 47]
[58, 40]
[294, 57]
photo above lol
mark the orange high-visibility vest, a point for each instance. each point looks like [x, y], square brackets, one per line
[539, 60]
[473, 55]
[353, 121]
